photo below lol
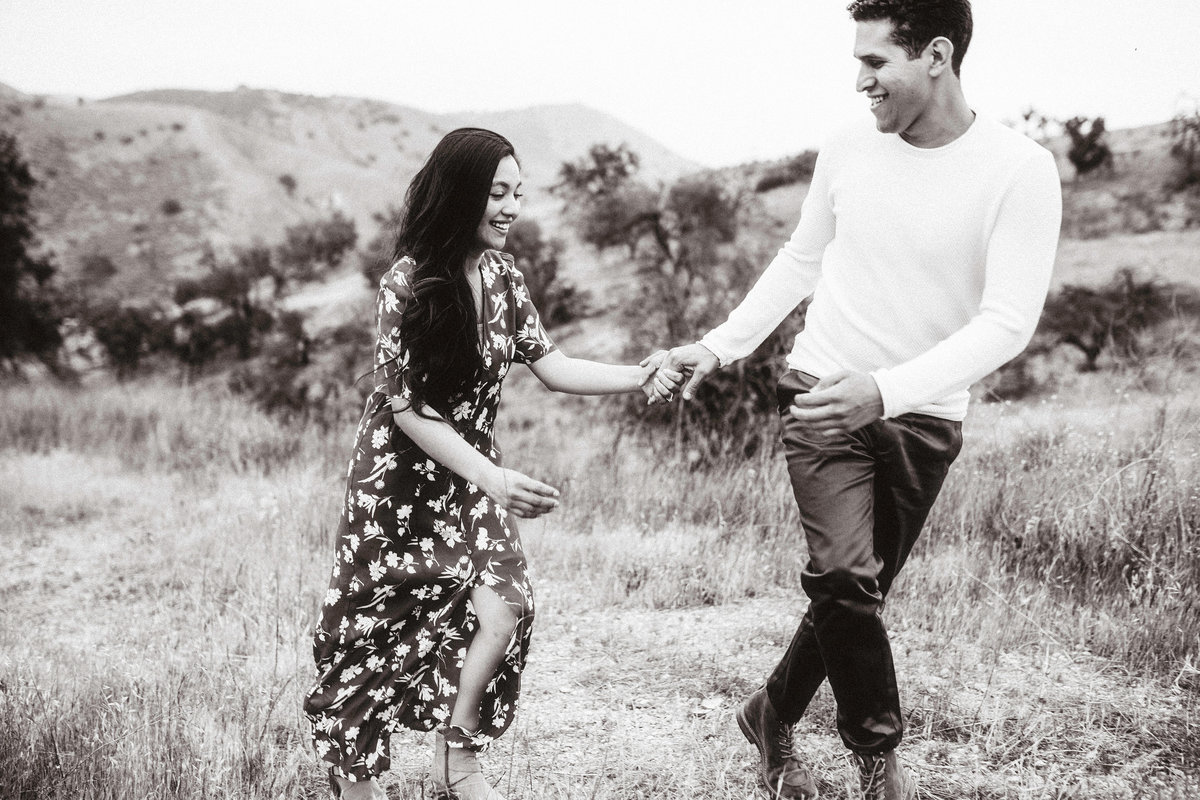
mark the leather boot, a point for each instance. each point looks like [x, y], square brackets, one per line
[781, 773]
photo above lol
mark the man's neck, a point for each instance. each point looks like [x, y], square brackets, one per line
[947, 120]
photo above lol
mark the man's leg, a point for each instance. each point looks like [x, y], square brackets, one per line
[863, 499]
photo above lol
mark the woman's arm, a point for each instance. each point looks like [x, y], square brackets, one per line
[561, 373]
[519, 493]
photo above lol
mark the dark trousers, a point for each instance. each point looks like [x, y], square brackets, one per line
[863, 497]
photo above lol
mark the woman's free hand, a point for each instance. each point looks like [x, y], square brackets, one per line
[659, 384]
[522, 495]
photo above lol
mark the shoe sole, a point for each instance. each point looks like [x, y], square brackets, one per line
[748, 731]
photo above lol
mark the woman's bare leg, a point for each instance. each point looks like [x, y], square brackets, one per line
[496, 624]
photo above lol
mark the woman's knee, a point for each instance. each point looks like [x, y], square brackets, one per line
[495, 616]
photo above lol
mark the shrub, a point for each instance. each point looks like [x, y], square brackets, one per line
[683, 245]
[558, 302]
[798, 169]
[376, 258]
[310, 247]
[126, 333]
[96, 268]
[288, 182]
[1185, 149]
[1087, 151]
[30, 312]
[170, 207]
[1113, 316]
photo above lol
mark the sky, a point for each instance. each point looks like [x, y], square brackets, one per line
[718, 81]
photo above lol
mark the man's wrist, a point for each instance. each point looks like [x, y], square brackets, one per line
[713, 353]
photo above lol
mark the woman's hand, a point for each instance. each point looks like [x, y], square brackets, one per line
[520, 494]
[659, 384]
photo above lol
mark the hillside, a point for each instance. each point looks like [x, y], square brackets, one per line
[147, 178]
[1123, 218]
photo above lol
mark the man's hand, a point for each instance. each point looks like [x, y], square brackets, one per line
[659, 384]
[840, 403]
[694, 360]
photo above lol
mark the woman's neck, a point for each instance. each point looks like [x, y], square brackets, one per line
[471, 265]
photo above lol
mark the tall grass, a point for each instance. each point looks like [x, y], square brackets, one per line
[173, 666]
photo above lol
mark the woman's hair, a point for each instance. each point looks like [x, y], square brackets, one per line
[438, 229]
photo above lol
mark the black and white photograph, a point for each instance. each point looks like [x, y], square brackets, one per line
[619, 401]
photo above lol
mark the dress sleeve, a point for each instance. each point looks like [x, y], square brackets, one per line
[391, 356]
[532, 341]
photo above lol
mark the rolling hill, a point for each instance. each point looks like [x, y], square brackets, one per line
[148, 178]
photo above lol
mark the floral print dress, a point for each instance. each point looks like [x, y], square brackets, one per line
[414, 538]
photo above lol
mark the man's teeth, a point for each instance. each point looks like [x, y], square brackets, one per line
[877, 100]
[501, 226]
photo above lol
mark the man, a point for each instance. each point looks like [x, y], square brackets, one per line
[926, 242]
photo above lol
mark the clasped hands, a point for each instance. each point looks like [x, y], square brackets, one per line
[841, 402]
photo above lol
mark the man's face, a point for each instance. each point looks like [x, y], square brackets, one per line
[900, 89]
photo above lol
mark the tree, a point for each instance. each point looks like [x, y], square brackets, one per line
[1109, 317]
[126, 333]
[796, 169]
[29, 308]
[692, 271]
[1185, 149]
[319, 245]
[376, 258]
[1088, 151]
[558, 302]
[244, 316]
[96, 268]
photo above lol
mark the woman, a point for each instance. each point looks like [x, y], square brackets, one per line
[427, 619]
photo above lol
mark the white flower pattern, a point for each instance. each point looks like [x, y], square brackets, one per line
[396, 620]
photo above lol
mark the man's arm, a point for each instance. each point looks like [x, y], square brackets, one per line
[1020, 259]
[789, 278]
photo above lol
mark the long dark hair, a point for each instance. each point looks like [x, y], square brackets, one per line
[438, 230]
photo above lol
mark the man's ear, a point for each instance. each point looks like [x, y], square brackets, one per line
[939, 52]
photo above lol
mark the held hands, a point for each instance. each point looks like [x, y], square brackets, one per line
[695, 361]
[842, 402]
[658, 384]
[520, 494]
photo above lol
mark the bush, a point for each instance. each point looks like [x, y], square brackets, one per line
[126, 334]
[30, 308]
[170, 207]
[558, 302]
[288, 183]
[1088, 151]
[311, 247]
[1185, 149]
[692, 272]
[798, 169]
[96, 268]
[376, 258]
[1113, 317]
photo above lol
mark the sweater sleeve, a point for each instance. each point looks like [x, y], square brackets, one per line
[789, 278]
[1019, 260]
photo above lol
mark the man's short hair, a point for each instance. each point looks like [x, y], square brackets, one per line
[919, 22]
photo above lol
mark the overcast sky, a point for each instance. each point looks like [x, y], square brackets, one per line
[718, 81]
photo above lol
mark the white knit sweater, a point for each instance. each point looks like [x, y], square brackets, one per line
[927, 268]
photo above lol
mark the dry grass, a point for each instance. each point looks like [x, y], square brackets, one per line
[168, 547]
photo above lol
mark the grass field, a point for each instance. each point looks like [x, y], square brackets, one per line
[168, 547]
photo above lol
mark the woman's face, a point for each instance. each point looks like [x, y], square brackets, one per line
[504, 204]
